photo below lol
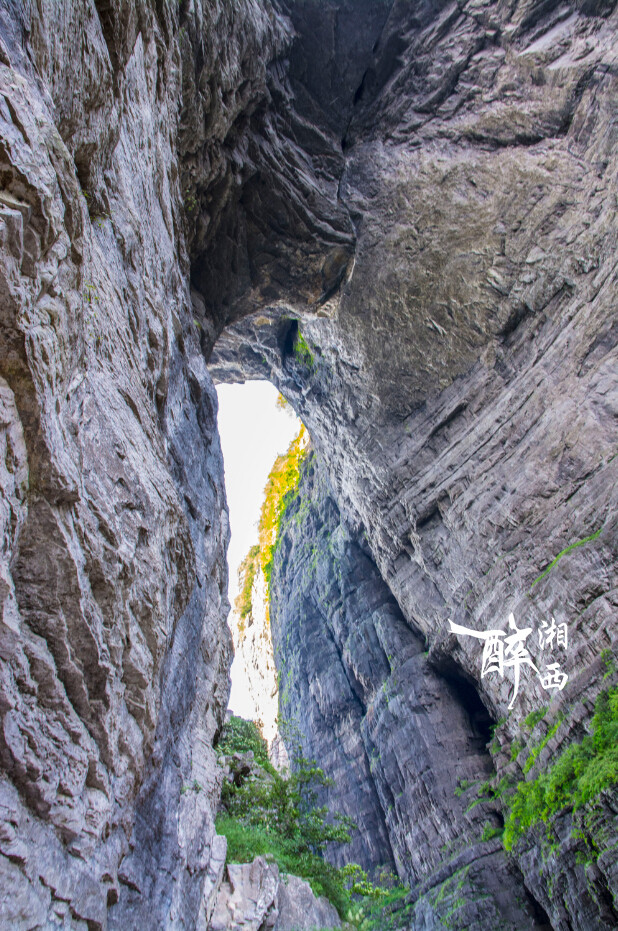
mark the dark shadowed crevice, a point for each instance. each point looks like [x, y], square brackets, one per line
[538, 912]
[466, 694]
[286, 337]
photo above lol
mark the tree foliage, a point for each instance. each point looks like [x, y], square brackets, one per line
[277, 815]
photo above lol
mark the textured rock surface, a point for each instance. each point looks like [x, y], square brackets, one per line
[253, 649]
[113, 510]
[430, 188]
[256, 897]
[460, 388]
[397, 738]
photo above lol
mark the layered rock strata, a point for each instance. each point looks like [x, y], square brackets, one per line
[114, 648]
[425, 193]
[460, 387]
[400, 741]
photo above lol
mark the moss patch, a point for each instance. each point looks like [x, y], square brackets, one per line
[567, 549]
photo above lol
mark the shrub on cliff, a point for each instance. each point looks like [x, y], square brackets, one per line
[266, 813]
[578, 775]
[241, 736]
[280, 486]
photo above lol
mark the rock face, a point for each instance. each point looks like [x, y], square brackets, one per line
[256, 897]
[460, 385]
[398, 739]
[426, 192]
[253, 648]
[114, 647]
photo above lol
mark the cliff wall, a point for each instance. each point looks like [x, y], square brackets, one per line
[404, 216]
[115, 651]
[460, 393]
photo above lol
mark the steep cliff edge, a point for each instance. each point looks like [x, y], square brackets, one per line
[398, 739]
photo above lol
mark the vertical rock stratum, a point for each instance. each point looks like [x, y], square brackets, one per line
[404, 215]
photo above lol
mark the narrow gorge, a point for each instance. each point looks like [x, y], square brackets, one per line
[403, 214]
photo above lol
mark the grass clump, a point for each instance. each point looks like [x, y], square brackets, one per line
[535, 717]
[490, 831]
[579, 774]
[535, 751]
[567, 549]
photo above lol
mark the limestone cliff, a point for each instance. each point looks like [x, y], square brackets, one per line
[115, 652]
[460, 392]
[404, 215]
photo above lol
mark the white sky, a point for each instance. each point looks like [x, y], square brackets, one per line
[254, 431]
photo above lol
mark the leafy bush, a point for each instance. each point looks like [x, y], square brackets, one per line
[277, 816]
[578, 775]
[241, 736]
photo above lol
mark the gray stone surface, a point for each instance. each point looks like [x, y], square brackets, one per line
[256, 897]
[396, 737]
[113, 644]
[430, 189]
[461, 385]
[300, 910]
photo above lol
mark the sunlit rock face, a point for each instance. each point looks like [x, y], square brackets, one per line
[430, 188]
[253, 651]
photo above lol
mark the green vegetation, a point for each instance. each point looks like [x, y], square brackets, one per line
[567, 549]
[489, 791]
[579, 774]
[610, 663]
[516, 747]
[535, 717]
[302, 352]
[280, 488]
[536, 749]
[241, 736]
[490, 830]
[246, 576]
[277, 816]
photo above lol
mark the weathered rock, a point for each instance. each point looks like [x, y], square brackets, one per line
[253, 649]
[399, 741]
[300, 910]
[430, 188]
[113, 509]
[256, 897]
[460, 387]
